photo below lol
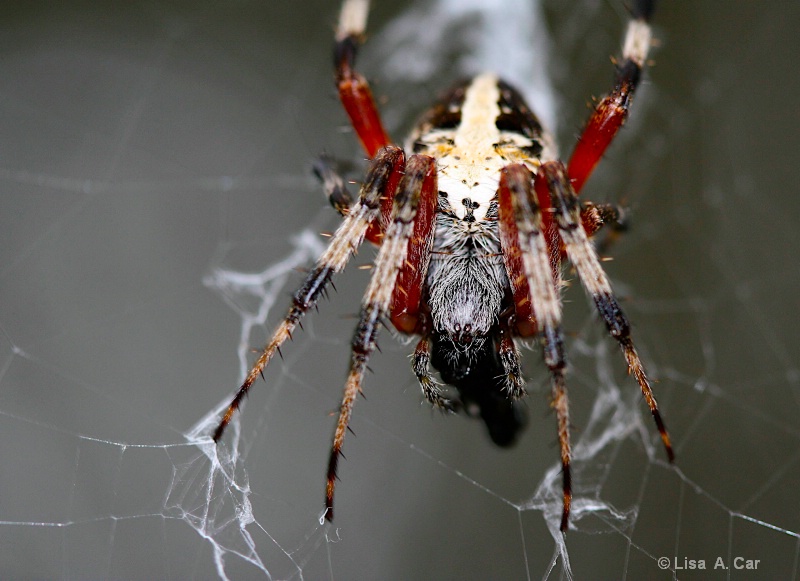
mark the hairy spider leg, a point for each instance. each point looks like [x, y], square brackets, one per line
[418, 183]
[511, 360]
[612, 111]
[407, 300]
[384, 174]
[553, 178]
[358, 102]
[563, 186]
[421, 366]
[407, 296]
[527, 257]
[335, 189]
[354, 91]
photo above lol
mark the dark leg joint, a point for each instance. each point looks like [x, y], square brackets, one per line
[643, 9]
[626, 79]
[344, 55]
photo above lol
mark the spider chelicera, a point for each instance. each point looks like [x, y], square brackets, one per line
[473, 218]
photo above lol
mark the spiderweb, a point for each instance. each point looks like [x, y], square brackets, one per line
[157, 204]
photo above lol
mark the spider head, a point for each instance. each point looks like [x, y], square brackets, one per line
[466, 315]
[466, 294]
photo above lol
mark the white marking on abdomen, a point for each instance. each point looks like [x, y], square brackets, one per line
[471, 169]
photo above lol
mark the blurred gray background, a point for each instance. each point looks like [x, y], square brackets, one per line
[146, 144]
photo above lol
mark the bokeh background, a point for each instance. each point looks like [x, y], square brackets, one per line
[146, 146]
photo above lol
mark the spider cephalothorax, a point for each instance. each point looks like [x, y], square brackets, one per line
[473, 219]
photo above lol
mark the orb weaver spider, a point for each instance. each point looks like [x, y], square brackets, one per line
[473, 218]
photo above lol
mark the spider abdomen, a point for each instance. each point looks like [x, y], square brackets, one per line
[473, 131]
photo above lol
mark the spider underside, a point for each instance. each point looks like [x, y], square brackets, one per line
[473, 218]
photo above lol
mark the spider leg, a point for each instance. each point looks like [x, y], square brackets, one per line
[335, 190]
[354, 91]
[407, 298]
[407, 295]
[552, 176]
[524, 241]
[511, 359]
[419, 181]
[383, 176]
[611, 112]
[522, 234]
[420, 363]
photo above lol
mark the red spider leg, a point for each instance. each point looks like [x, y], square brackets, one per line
[524, 320]
[524, 314]
[383, 174]
[407, 295]
[527, 256]
[418, 182]
[379, 226]
[581, 253]
[354, 91]
[611, 112]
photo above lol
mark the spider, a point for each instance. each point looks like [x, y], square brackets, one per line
[473, 218]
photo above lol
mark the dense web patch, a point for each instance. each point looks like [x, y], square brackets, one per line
[156, 204]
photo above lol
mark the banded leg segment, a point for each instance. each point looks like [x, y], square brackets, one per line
[553, 177]
[354, 91]
[418, 182]
[524, 240]
[524, 321]
[519, 210]
[612, 111]
[382, 178]
[560, 404]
